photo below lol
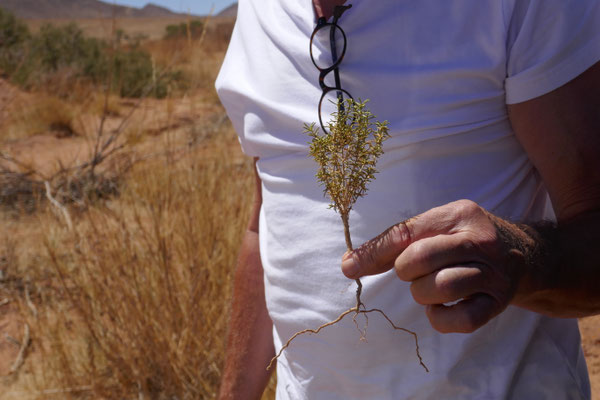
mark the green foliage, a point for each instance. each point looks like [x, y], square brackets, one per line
[347, 155]
[13, 35]
[12, 31]
[64, 53]
[65, 46]
[133, 72]
[194, 29]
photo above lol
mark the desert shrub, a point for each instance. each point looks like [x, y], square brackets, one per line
[13, 36]
[192, 29]
[61, 46]
[135, 75]
[147, 282]
[12, 31]
[47, 113]
[58, 56]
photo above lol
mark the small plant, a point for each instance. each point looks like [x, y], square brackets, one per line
[347, 156]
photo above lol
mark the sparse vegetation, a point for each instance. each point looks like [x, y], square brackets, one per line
[192, 29]
[13, 35]
[57, 57]
[140, 279]
[116, 263]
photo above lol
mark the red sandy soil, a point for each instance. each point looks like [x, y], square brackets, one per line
[590, 334]
[177, 121]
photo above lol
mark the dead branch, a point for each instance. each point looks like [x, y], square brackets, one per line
[21, 356]
[86, 388]
[30, 304]
[57, 204]
[12, 339]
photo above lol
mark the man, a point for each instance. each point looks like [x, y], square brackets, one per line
[494, 116]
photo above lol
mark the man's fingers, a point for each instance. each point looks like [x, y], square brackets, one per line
[465, 316]
[430, 254]
[448, 284]
[378, 254]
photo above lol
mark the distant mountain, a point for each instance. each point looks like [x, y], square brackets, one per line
[153, 10]
[67, 9]
[230, 11]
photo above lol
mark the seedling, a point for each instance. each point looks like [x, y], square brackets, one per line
[347, 156]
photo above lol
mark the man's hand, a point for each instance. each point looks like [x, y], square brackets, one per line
[461, 252]
[324, 8]
[457, 252]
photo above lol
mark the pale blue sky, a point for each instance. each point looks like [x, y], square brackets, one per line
[198, 7]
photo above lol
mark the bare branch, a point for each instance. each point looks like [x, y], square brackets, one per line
[21, 355]
[56, 204]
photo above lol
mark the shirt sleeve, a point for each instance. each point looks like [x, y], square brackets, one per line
[549, 43]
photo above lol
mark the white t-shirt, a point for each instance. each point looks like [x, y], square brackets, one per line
[441, 72]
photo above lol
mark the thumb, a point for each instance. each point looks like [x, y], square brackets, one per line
[378, 254]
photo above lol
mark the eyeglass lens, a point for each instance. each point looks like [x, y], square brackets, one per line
[327, 46]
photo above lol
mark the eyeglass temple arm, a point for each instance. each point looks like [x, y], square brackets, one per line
[337, 13]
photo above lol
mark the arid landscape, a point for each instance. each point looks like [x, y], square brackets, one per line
[123, 198]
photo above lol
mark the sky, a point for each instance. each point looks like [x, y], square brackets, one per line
[198, 7]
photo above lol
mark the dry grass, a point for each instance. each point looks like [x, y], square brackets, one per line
[45, 114]
[141, 276]
[129, 299]
[133, 301]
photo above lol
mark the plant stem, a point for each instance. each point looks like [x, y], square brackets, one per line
[345, 220]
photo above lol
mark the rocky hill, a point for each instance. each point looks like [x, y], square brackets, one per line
[229, 12]
[67, 9]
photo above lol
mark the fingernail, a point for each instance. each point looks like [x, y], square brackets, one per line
[349, 266]
[346, 255]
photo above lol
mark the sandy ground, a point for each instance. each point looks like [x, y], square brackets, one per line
[590, 334]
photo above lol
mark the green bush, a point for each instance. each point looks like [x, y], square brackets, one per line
[57, 47]
[193, 28]
[134, 74]
[64, 51]
[13, 37]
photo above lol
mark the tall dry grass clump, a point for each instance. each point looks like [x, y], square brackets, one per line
[121, 292]
[145, 282]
